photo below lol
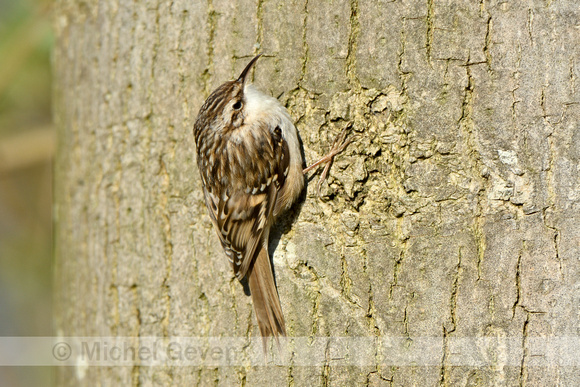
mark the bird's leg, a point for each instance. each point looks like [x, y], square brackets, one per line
[339, 145]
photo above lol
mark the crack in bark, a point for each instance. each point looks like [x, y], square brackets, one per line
[488, 42]
[531, 25]
[136, 370]
[211, 21]
[380, 375]
[453, 314]
[466, 125]
[518, 280]
[523, 368]
[345, 281]
[516, 76]
[430, 21]
[325, 376]
[555, 239]
[572, 76]
[550, 182]
[445, 355]
[397, 265]
[305, 48]
[454, 291]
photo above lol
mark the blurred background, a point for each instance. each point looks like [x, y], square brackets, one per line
[27, 145]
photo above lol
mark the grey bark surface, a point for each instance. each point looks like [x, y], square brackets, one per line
[456, 214]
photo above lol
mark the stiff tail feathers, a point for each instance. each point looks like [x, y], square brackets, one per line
[265, 298]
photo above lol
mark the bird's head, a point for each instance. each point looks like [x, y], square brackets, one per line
[224, 109]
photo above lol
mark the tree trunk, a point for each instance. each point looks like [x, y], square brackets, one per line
[454, 216]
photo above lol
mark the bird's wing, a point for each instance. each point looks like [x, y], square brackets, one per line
[242, 212]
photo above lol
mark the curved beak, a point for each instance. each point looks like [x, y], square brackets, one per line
[242, 77]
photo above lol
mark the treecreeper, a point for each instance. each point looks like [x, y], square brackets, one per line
[250, 161]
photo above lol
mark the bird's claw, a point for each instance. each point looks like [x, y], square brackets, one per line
[339, 145]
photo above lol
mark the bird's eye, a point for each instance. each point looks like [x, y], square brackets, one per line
[237, 105]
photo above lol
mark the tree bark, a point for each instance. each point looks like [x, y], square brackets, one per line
[455, 215]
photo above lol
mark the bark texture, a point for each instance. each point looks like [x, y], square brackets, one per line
[455, 215]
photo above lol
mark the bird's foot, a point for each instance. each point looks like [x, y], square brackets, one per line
[338, 146]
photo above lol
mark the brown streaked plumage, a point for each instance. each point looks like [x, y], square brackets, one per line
[249, 158]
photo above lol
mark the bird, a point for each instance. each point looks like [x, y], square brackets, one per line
[250, 161]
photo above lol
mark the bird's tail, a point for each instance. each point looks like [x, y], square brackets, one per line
[265, 298]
